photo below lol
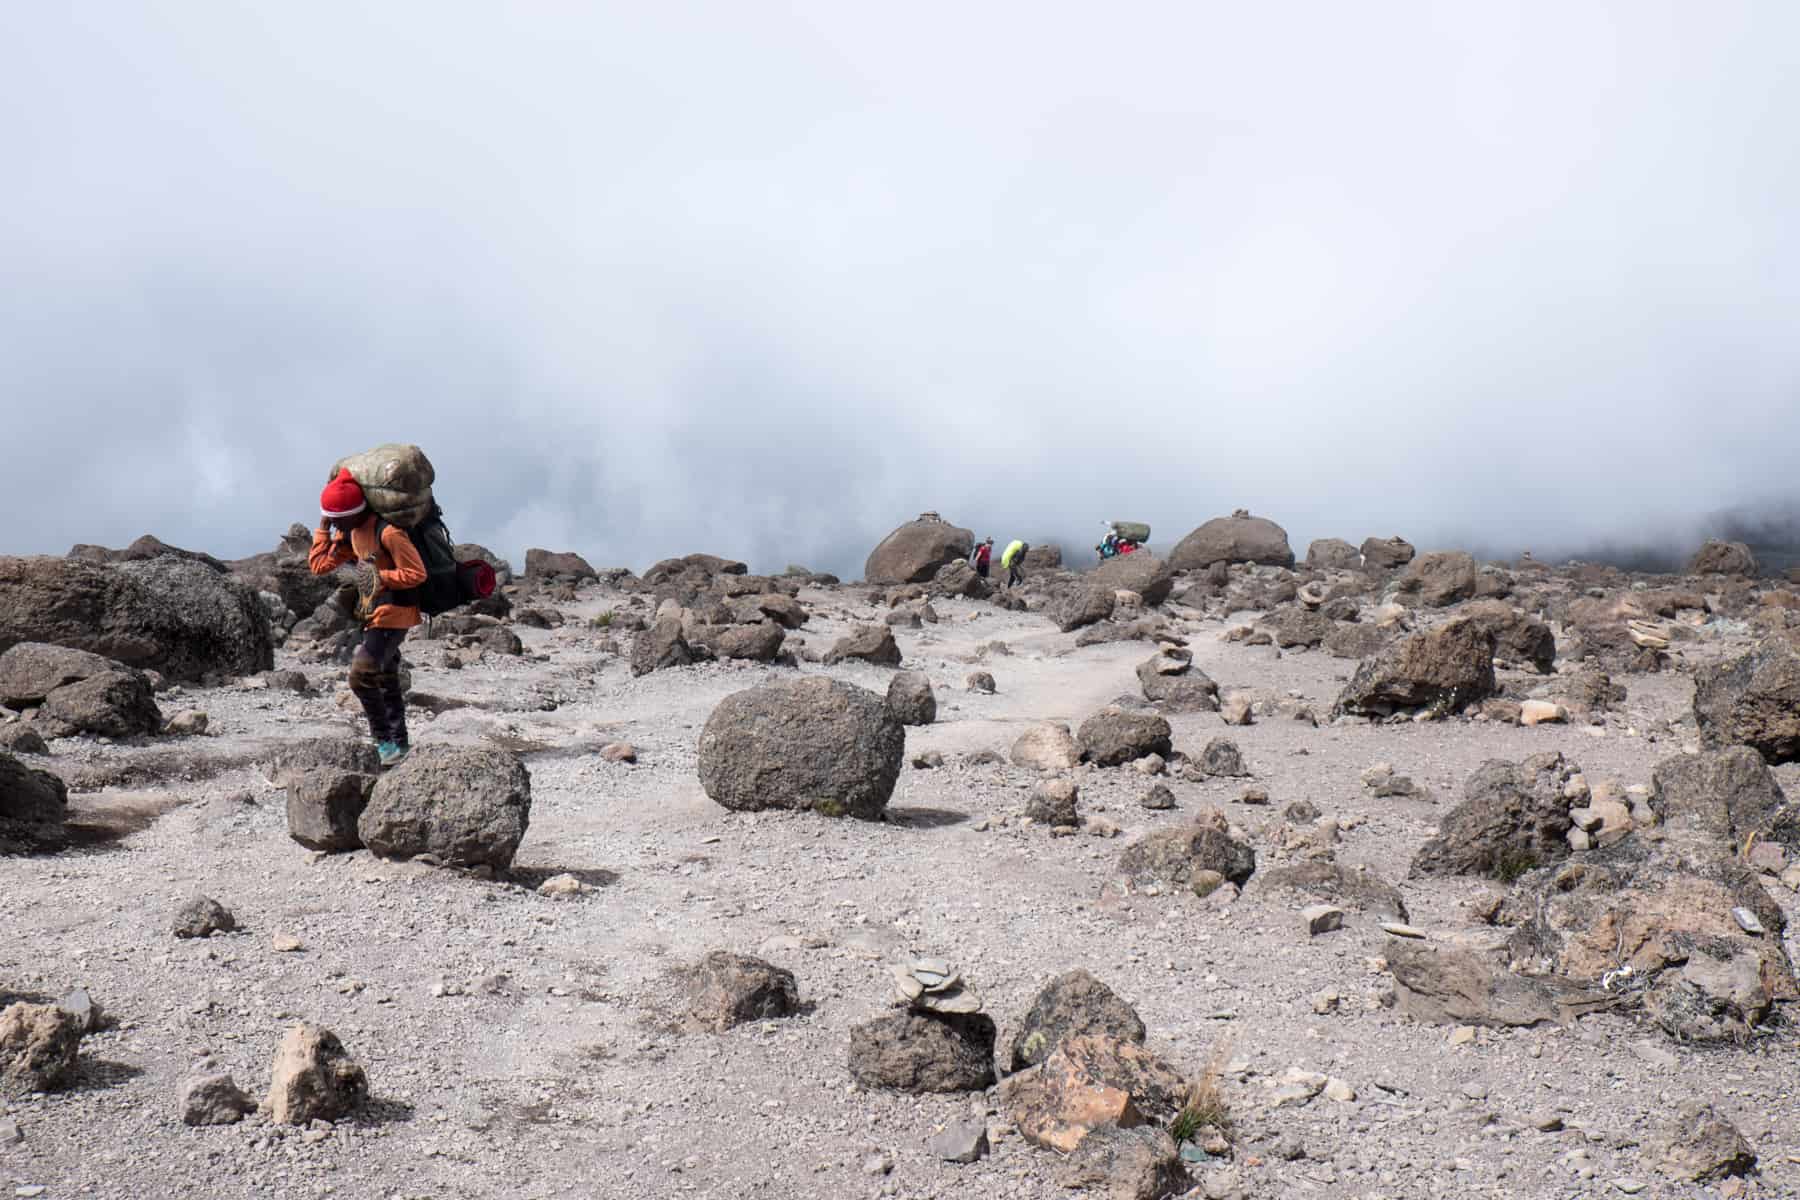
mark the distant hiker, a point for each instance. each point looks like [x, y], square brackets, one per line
[381, 563]
[1014, 562]
[983, 556]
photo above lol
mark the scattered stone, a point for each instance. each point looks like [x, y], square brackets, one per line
[619, 752]
[812, 743]
[1137, 1163]
[725, 990]
[1091, 1082]
[1321, 918]
[314, 1078]
[1204, 883]
[190, 723]
[960, 1142]
[1254, 796]
[1053, 802]
[1338, 1091]
[924, 1052]
[1698, 1145]
[1158, 799]
[202, 917]
[1114, 737]
[1171, 680]
[38, 1048]
[1222, 760]
[1301, 812]
[1236, 710]
[562, 887]
[1071, 1005]
[1048, 747]
[911, 700]
[88, 1014]
[286, 943]
[931, 760]
[1168, 858]
[983, 683]
[1355, 888]
[1540, 712]
[213, 1099]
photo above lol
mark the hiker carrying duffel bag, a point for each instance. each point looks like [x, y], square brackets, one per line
[396, 481]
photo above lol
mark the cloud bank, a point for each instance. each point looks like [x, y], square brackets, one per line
[766, 280]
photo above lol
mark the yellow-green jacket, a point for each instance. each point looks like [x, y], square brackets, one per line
[1014, 548]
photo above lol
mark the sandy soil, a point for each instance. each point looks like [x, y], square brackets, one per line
[527, 1047]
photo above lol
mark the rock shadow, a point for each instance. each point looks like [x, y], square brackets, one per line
[533, 877]
[918, 816]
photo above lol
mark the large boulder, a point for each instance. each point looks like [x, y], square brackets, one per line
[1332, 554]
[1136, 1163]
[30, 671]
[1084, 604]
[1171, 679]
[811, 743]
[463, 806]
[1439, 580]
[1114, 737]
[660, 647]
[914, 552]
[1384, 554]
[1442, 669]
[1513, 817]
[866, 643]
[1072, 1004]
[1443, 984]
[178, 616]
[1667, 924]
[284, 572]
[1753, 700]
[1238, 538]
[1724, 558]
[924, 1052]
[119, 703]
[1293, 626]
[1699, 1144]
[1141, 572]
[552, 564]
[32, 802]
[1517, 637]
[1722, 797]
[758, 642]
[1169, 858]
[960, 579]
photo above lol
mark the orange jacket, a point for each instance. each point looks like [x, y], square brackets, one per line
[397, 564]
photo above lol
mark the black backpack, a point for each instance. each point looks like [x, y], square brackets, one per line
[448, 583]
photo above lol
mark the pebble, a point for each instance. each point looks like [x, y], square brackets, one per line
[1398, 930]
[10, 1133]
[877, 1164]
[1462, 1035]
[1321, 918]
[1630, 1187]
[286, 943]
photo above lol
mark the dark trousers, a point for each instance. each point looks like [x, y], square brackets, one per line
[1015, 574]
[375, 678]
[981, 569]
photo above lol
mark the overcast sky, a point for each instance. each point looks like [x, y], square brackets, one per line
[766, 279]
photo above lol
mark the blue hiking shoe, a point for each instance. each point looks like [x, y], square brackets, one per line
[391, 753]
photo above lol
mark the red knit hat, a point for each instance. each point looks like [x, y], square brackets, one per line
[342, 497]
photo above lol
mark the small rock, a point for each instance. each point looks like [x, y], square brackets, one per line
[961, 1142]
[10, 1133]
[1158, 798]
[286, 943]
[1541, 712]
[314, 1078]
[1254, 795]
[1321, 918]
[214, 1099]
[931, 760]
[1206, 882]
[1462, 1035]
[186, 724]
[1301, 812]
[1630, 1187]
[562, 887]
[1545, 1121]
[1235, 710]
[202, 917]
[982, 682]
[1747, 921]
[1399, 930]
[619, 752]
[78, 1004]
[1338, 1090]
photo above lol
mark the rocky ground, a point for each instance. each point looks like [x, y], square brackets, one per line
[524, 1044]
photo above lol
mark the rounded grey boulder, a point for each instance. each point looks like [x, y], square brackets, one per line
[463, 806]
[911, 699]
[914, 552]
[1234, 539]
[809, 743]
